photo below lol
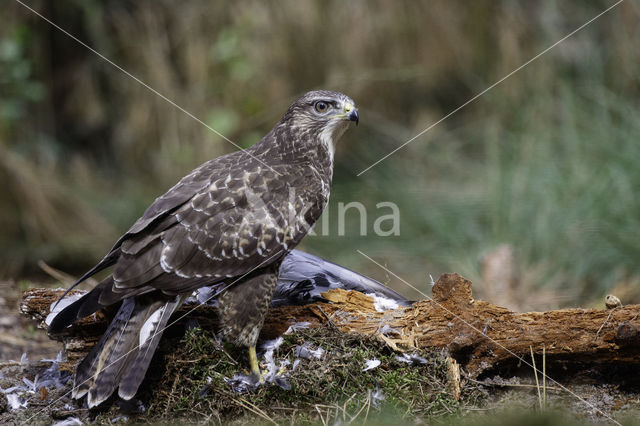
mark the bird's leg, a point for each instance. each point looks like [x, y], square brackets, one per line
[242, 309]
[253, 361]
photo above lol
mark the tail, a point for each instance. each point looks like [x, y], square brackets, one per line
[121, 358]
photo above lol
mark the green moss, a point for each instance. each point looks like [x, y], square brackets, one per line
[332, 387]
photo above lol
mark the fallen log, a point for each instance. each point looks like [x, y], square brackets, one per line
[480, 336]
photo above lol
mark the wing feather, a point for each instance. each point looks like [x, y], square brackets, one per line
[224, 219]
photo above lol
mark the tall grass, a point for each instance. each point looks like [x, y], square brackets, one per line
[566, 194]
[559, 183]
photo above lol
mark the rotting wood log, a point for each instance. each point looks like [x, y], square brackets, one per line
[479, 335]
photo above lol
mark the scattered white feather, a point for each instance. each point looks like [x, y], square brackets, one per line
[275, 374]
[431, 281]
[15, 402]
[56, 307]
[272, 345]
[24, 359]
[32, 386]
[272, 370]
[371, 364]
[376, 396]
[57, 360]
[297, 326]
[305, 351]
[48, 378]
[69, 421]
[382, 303]
[241, 383]
[13, 389]
[411, 359]
[52, 377]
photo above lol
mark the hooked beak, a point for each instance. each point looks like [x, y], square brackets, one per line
[351, 113]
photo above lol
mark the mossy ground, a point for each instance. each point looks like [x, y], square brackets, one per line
[334, 389]
[328, 389]
[186, 384]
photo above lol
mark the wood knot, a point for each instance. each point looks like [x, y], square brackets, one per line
[628, 334]
[452, 288]
[461, 343]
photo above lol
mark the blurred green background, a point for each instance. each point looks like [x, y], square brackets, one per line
[535, 184]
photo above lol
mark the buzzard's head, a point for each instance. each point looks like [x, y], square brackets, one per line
[322, 115]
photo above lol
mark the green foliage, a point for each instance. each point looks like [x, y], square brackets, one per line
[556, 181]
[17, 86]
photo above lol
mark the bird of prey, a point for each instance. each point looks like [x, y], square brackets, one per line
[231, 220]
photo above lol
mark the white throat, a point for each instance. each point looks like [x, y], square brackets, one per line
[331, 134]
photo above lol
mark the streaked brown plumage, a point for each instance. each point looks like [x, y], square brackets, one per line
[230, 220]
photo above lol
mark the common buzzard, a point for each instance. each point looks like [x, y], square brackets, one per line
[231, 221]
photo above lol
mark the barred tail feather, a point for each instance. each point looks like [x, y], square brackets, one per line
[89, 369]
[122, 355]
[149, 337]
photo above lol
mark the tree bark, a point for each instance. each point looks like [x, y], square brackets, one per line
[480, 336]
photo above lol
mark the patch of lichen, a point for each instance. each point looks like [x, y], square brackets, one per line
[332, 387]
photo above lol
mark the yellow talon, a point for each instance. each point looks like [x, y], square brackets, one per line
[253, 361]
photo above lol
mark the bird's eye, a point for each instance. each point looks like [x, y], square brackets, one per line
[321, 107]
